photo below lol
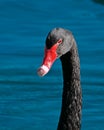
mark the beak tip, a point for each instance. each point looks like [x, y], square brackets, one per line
[40, 72]
[43, 70]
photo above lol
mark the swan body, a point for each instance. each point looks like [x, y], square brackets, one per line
[60, 43]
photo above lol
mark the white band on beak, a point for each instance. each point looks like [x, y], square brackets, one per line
[43, 70]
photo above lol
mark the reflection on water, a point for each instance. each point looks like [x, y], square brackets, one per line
[33, 103]
[99, 1]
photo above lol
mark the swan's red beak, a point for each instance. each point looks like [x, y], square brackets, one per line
[49, 58]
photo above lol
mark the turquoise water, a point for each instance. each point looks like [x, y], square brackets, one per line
[28, 102]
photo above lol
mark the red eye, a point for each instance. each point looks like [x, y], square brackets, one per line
[59, 41]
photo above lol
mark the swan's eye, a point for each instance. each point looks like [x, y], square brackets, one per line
[51, 42]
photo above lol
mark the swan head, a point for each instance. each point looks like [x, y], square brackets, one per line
[58, 43]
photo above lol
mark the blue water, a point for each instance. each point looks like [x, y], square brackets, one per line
[28, 102]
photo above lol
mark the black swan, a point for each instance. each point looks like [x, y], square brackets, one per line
[60, 43]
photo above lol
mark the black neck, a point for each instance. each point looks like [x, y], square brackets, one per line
[71, 100]
[66, 67]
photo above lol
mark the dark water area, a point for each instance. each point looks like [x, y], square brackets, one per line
[99, 1]
[28, 102]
